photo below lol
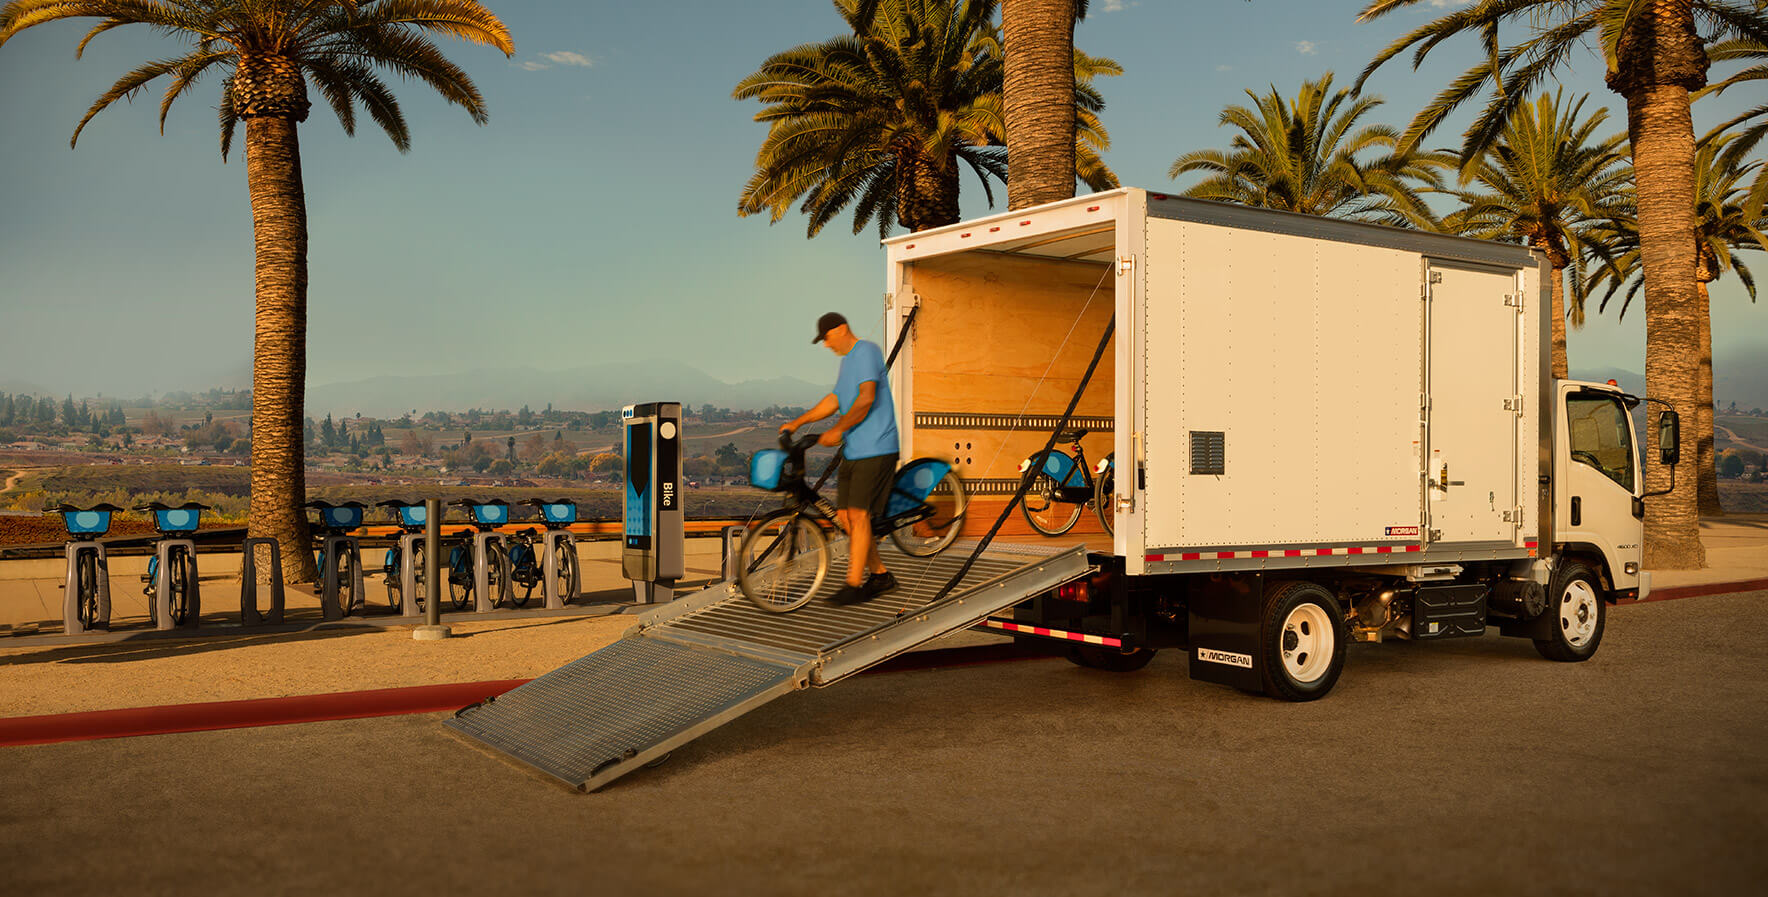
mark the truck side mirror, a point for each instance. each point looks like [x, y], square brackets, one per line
[1669, 437]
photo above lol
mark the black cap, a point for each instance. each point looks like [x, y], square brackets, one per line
[827, 323]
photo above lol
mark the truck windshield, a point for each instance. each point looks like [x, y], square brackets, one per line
[1600, 436]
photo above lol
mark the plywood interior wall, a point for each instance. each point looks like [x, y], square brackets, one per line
[988, 328]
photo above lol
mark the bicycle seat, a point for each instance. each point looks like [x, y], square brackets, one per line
[105, 507]
[1069, 436]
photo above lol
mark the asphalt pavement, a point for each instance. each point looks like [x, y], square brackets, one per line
[1465, 767]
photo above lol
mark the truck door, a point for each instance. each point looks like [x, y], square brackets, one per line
[1471, 381]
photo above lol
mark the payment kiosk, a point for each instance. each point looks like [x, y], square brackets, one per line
[652, 556]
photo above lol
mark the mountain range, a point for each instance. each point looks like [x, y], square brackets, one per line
[596, 387]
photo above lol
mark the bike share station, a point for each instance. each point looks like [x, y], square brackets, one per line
[558, 564]
[172, 582]
[86, 603]
[653, 555]
[404, 568]
[340, 558]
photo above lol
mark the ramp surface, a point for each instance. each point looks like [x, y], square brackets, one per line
[695, 664]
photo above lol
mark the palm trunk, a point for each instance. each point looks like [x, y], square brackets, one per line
[279, 349]
[1705, 464]
[1561, 365]
[1663, 157]
[1038, 100]
[927, 192]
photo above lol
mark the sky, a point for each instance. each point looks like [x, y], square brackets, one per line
[594, 217]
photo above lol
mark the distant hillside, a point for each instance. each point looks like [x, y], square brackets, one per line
[596, 387]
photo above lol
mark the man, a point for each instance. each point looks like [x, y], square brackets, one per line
[868, 462]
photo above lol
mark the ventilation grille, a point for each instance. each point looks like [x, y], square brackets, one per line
[1209, 452]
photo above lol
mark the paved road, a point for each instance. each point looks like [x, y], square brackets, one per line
[1466, 767]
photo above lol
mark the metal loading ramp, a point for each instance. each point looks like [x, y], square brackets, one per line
[701, 661]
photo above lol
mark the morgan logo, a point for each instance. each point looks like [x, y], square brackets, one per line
[1402, 530]
[1227, 658]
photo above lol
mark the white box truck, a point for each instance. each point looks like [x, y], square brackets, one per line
[1321, 431]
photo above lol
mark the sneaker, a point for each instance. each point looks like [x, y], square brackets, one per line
[879, 583]
[849, 595]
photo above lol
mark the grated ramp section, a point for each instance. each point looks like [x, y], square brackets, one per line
[606, 714]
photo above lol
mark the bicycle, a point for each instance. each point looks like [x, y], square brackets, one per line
[88, 523]
[462, 571]
[1066, 479]
[526, 565]
[410, 518]
[923, 517]
[171, 522]
[337, 520]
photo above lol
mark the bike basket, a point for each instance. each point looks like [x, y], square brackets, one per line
[86, 523]
[491, 514]
[559, 512]
[411, 515]
[766, 467]
[176, 520]
[342, 517]
[914, 483]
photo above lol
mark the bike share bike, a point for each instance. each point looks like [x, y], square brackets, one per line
[1062, 486]
[401, 580]
[88, 567]
[528, 566]
[478, 560]
[175, 556]
[784, 556]
[341, 551]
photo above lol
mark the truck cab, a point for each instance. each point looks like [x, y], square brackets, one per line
[1599, 489]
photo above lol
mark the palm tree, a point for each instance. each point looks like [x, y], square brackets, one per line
[1655, 57]
[882, 119]
[268, 51]
[1544, 181]
[1753, 122]
[1040, 126]
[1726, 222]
[1309, 156]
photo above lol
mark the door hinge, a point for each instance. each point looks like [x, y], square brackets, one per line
[1436, 277]
[1436, 535]
[1514, 515]
[1513, 300]
[1514, 403]
[1125, 265]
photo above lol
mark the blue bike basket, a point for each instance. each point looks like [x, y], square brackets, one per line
[559, 512]
[913, 484]
[491, 515]
[765, 467]
[342, 517]
[412, 515]
[87, 523]
[177, 520]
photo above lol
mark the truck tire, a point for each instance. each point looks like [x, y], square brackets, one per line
[1576, 615]
[1114, 660]
[1303, 635]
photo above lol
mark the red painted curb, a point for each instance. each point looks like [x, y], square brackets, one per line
[59, 727]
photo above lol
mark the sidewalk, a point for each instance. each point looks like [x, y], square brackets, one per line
[226, 663]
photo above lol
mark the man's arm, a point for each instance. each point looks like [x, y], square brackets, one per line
[868, 393]
[829, 405]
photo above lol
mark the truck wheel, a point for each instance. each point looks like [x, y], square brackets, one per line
[1575, 614]
[1303, 636]
[1115, 660]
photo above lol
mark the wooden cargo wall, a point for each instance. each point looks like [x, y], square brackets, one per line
[988, 327]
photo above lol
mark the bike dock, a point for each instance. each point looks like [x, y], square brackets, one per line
[699, 662]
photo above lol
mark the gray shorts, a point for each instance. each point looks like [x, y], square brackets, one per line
[865, 483]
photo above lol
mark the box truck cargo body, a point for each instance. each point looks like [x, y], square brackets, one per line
[1320, 430]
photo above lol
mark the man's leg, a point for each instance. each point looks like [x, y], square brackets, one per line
[859, 545]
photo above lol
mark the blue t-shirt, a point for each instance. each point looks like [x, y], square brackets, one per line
[876, 435]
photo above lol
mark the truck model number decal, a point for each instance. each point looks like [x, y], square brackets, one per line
[1228, 658]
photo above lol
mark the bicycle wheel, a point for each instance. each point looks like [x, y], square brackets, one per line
[460, 576]
[347, 584]
[86, 605]
[569, 582]
[1044, 511]
[178, 586]
[418, 592]
[1105, 496]
[497, 580]
[782, 560]
[524, 574]
[926, 538]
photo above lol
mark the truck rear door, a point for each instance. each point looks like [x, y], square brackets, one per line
[1474, 403]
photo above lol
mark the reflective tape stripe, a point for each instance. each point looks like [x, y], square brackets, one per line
[1053, 633]
[1255, 553]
